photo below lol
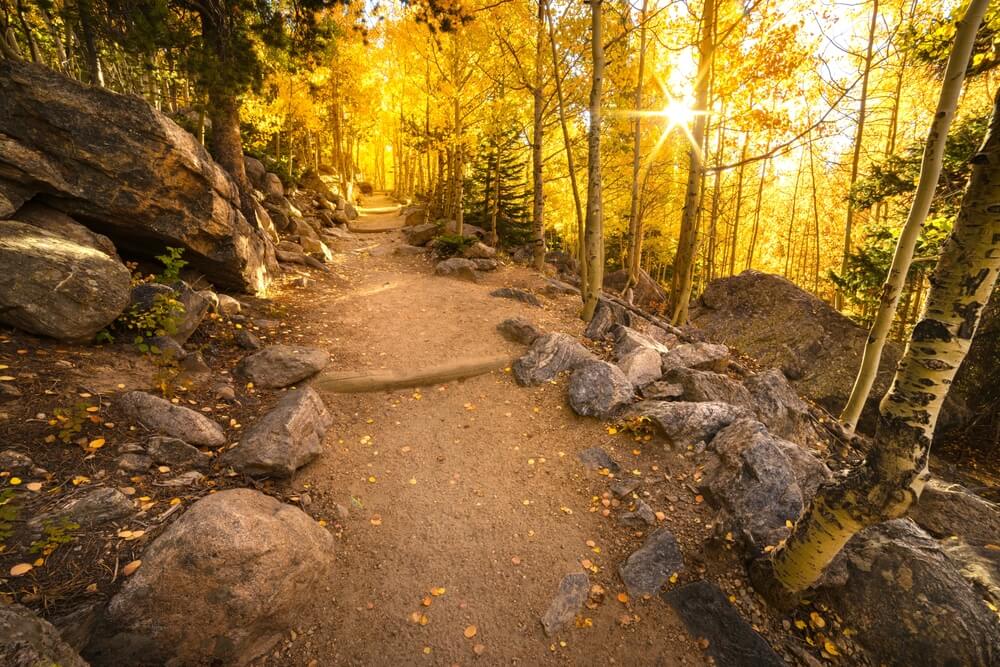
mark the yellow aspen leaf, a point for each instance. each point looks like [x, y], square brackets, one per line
[817, 620]
[673, 578]
[623, 598]
[376, 520]
[130, 569]
[426, 601]
[96, 443]
[39, 562]
[93, 408]
[438, 592]
[7, 378]
[470, 632]
[14, 481]
[427, 650]
[92, 588]
[21, 569]
[800, 624]
[33, 486]
[830, 647]
[321, 522]
[175, 501]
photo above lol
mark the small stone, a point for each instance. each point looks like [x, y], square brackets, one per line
[517, 295]
[642, 516]
[573, 591]
[652, 565]
[134, 462]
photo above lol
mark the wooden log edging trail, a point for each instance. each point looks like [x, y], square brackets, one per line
[355, 382]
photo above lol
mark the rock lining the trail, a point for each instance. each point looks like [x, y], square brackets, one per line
[285, 439]
[599, 389]
[222, 583]
[517, 295]
[29, 641]
[88, 509]
[652, 565]
[279, 366]
[162, 416]
[548, 356]
[458, 267]
[519, 330]
[573, 591]
[686, 423]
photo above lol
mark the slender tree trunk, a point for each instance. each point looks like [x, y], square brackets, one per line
[791, 218]
[858, 144]
[538, 108]
[570, 162]
[895, 471]
[930, 171]
[634, 242]
[95, 75]
[594, 231]
[687, 244]
[733, 243]
[756, 213]
[815, 209]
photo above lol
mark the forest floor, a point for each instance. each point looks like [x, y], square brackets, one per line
[473, 488]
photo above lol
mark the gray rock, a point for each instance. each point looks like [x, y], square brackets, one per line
[255, 172]
[628, 340]
[285, 439]
[623, 487]
[910, 605]
[486, 264]
[760, 481]
[517, 295]
[174, 452]
[701, 386]
[283, 365]
[229, 306]
[88, 508]
[700, 356]
[662, 391]
[247, 340]
[573, 591]
[420, 235]
[554, 287]
[29, 641]
[548, 356]
[11, 459]
[222, 583]
[596, 458]
[9, 392]
[599, 389]
[686, 423]
[606, 316]
[136, 462]
[164, 417]
[947, 509]
[706, 613]
[189, 478]
[519, 330]
[641, 366]
[60, 224]
[479, 250]
[54, 287]
[188, 306]
[194, 369]
[273, 186]
[211, 297]
[642, 516]
[224, 392]
[647, 569]
[780, 408]
[166, 347]
[457, 267]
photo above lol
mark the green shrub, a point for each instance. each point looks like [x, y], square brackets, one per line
[450, 245]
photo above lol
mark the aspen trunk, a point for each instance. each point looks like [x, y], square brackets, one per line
[594, 231]
[858, 139]
[634, 239]
[538, 108]
[930, 171]
[895, 471]
[570, 162]
[687, 244]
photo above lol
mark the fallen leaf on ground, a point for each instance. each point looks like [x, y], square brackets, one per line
[470, 632]
[21, 568]
[437, 592]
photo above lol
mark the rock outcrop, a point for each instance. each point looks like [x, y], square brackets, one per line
[219, 586]
[52, 286]
[548, 356]
[783, 326]
[28, 641]
[118, 166]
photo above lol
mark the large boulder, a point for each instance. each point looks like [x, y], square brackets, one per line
[628, 340]
[779, 406]
[895, 586]
[648, 294]
[256, 172]
[283, 365]
[52, 286]
[783, 326]
[28, 641]
[162, 416]
[708, 386]
[549, 355]
[599, 389]
[684, 423]
[641, 366]
[220, 585]
[126, 171]
[61, 224]
[760, 481]
[700, 356]
[285, 439]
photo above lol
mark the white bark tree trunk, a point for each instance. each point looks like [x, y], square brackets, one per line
[594, 232]
[930, 171]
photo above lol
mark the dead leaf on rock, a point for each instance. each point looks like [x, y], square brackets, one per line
[130, 569]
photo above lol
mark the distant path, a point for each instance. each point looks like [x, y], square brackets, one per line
[378, 213]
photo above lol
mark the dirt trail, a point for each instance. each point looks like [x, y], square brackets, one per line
[473, 487]
[379, 213]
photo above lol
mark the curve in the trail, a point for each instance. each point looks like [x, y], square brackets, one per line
[378, 214]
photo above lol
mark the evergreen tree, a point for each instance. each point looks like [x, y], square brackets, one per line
[498, 188]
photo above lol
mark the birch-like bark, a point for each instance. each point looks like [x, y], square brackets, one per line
[930, 172]
[895, 471]
[538, 104]
[594, 225]
[634, 243]
[687, 244]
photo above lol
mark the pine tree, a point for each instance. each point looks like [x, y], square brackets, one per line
[498, 189]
